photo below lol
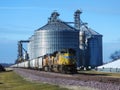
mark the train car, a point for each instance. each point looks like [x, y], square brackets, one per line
[32, 64]
[22, 65]
[14, 66]
[26, 64]
[40, 63]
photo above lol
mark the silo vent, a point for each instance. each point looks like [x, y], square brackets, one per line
[54, 17]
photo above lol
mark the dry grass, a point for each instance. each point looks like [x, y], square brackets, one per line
[97, 73]
[12, 81]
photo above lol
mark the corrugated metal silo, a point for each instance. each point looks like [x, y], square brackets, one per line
[90, 43]
[31, 47]
[93, 51]
[54, 36]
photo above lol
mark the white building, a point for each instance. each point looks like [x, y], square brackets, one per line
[113, 66]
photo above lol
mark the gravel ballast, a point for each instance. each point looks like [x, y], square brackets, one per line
[64, 80]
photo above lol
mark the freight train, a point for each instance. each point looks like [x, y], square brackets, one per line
[62, 61]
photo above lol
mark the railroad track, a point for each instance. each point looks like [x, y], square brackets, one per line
[97, 82]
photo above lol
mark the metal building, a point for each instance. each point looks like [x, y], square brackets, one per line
[54, 36]
[113, 66]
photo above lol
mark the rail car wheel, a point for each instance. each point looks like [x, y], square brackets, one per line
[74, 71]
[62, 69]
[46, 68]
[50, 69]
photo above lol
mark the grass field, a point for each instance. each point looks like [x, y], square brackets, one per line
[12, 81]
[97, 73]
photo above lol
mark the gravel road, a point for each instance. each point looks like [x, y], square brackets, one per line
[67, 80]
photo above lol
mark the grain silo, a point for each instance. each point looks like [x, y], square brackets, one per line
[90, 44]
[31, 47]
[54, 36]
[93, 48]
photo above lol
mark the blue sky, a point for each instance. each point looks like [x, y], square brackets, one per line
[19, 19]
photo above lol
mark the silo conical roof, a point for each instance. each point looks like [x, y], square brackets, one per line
[89, 32]
[56, 24]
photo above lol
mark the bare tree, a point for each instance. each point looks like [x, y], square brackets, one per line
[116, 55]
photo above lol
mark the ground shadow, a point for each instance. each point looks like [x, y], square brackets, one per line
[92, 74]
